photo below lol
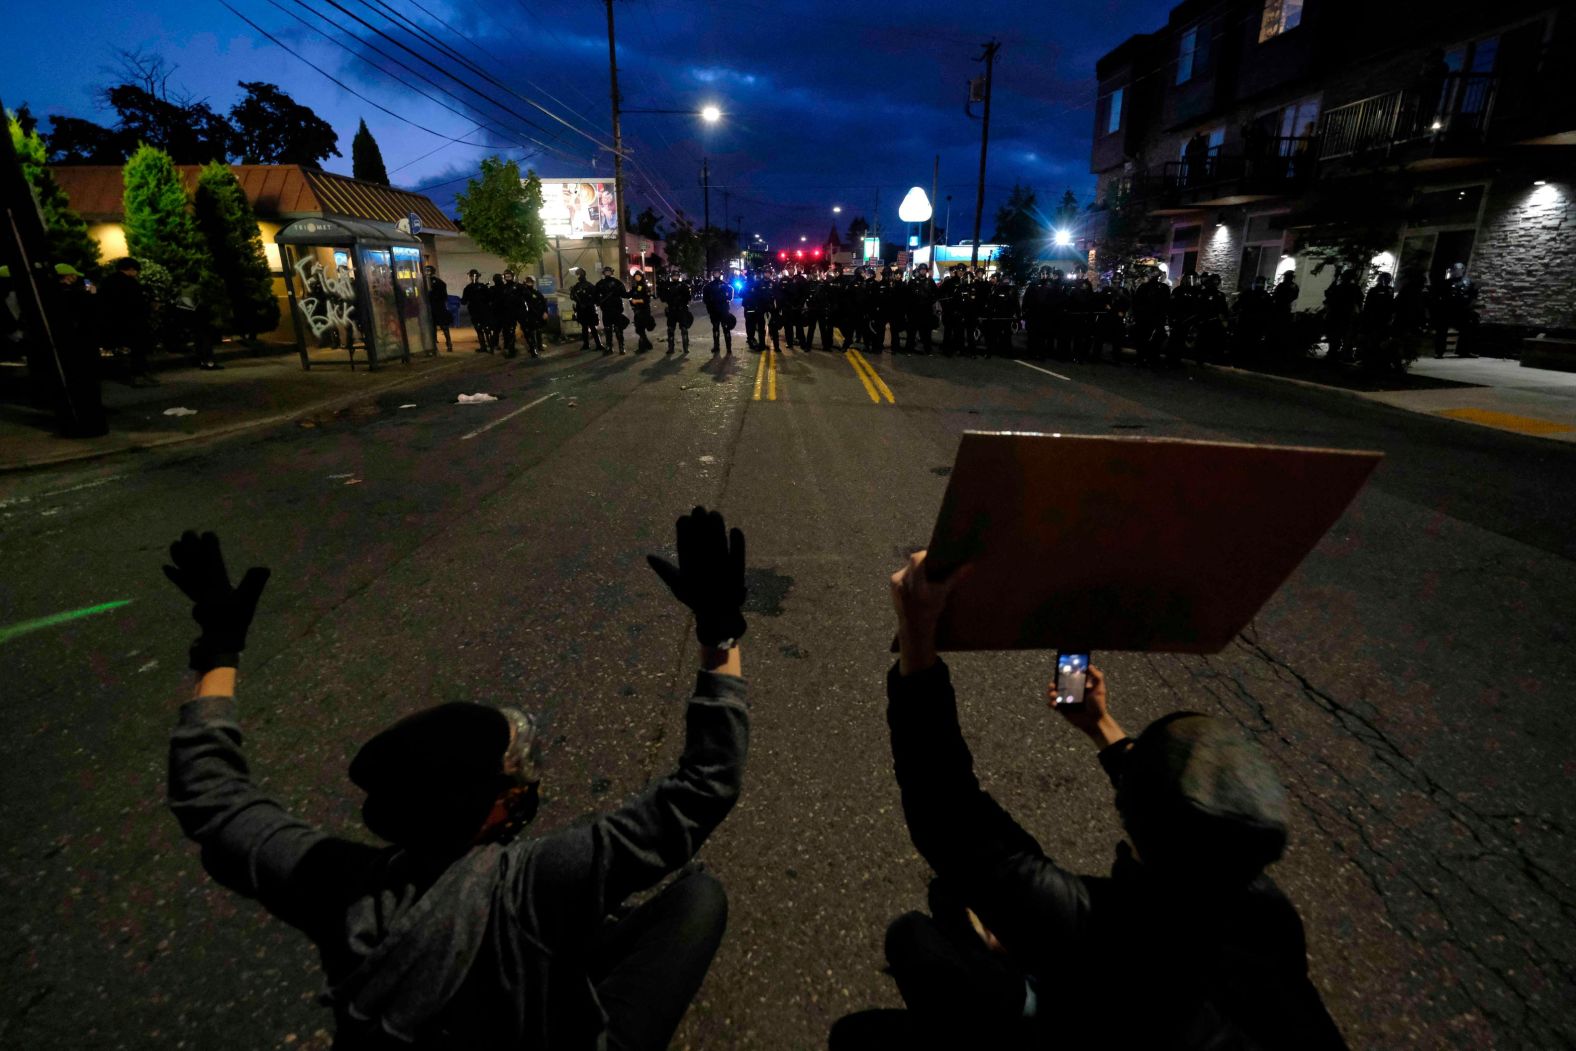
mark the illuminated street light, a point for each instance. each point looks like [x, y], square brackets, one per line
[1063, 239]
[710, 114]
[915, 207]
[803, 238]
[837, 209]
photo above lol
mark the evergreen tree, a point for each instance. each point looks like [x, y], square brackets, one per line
[69, 240]
[366, 160]
[160, 228]
[225, 218]
[503, 213]
[1021, 231]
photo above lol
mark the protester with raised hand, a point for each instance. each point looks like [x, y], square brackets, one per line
[465, 931]
[1186, 944]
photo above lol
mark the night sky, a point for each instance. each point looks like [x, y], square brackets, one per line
[826, 103]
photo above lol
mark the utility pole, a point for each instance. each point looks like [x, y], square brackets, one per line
[618, 149]
[989, 58]
[705, 182]
[935, 178]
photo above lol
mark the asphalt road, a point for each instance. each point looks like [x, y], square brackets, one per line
[1413, 680]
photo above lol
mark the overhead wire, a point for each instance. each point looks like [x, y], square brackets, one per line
[526, 121]
[500, 128]
[422, 33]
[376, 105]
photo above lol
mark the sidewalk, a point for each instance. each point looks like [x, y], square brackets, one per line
[248, 392]
[1487, 392]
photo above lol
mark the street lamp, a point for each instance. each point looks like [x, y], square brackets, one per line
[803, 238]
[1063, 239]
[710, 114]
[837, 209]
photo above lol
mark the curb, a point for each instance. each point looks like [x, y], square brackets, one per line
[229, 429]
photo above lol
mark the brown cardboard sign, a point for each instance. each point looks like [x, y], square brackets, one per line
[1100, 543]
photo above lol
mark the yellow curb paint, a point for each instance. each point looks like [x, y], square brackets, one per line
[875, 377]
[849, 355]
[760, 374]
[1508, 421]
[771, 377]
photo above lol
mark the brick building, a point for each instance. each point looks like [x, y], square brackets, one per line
[1241, 127]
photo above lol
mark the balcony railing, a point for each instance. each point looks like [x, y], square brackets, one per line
[1265, 166]
[1453, 112]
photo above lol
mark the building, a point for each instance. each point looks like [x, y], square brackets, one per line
[1244, 133]
[348, 211]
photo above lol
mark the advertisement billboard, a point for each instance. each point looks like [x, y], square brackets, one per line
[579, 208]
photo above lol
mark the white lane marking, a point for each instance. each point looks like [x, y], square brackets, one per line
[75, 488]
[1048, 372]
[506, 418]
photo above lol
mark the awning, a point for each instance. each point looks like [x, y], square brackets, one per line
[342, 232]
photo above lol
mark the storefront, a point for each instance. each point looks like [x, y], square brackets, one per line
[355, 284]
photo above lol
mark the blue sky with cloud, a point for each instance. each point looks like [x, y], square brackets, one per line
[826, 103]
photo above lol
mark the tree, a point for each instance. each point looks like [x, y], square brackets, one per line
[366, 160]
[75, 141]
[1021, 233]
[503, 213]
[69, 240]
[686, 246]
[1349, 229]
[1126, 238]
[146, 112]
[160, 228]
[224, 217]
[858, 230]
[647, 224]
[273, 128]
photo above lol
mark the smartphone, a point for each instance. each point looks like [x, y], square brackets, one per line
[1072, 672]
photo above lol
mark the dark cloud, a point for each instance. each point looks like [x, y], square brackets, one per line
[827, 103]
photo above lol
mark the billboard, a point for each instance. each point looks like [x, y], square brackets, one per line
[579, 208]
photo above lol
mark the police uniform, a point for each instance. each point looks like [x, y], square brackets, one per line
[610, 296]
[477, 299]
[583, 295]
[674, 291]
[718, 295]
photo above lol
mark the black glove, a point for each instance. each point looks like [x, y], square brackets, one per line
[223, 612]
[709, 577]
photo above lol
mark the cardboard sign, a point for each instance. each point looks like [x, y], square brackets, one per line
[1099, 543]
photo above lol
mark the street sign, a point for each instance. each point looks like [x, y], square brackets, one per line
[645, 247]
[415, 222]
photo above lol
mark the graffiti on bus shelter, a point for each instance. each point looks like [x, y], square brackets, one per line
[328, 303]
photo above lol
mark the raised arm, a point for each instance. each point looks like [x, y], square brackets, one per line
[249, 843]
[634, 847]
[996, 867]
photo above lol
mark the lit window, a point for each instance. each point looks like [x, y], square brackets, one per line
[1279, 16]
[1113, 119]
[1186, 50]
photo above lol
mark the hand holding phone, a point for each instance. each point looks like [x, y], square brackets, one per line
[1072, 673]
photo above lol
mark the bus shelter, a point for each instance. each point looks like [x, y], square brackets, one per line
[355, 283]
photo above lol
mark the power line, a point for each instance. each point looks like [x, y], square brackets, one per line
[421, 33]
[285, 47]
[414, 72]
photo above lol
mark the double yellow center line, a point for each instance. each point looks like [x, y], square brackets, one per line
[766, 370]
[869, 377]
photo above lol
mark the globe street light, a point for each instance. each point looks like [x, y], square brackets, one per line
[710, 114]
[837, 209]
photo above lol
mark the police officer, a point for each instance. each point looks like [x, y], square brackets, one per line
[1036, 306]
[718, 299]
[1453, 299]
[533, 315]
[610, 296]
[1210, 320]
[477, 299]
[1342, 302]
[504, 309]
[1151, 305]
[976, 298]
[818, 312]
[674, 291]
[920, 312]
[1283, 298]
[640, 299]
[583, 295]
[1184, 309]
[790, 304]
[950, 296]
[757, 298]
[1253, 315]
[1373, 324]
[438, 307]
[775, 312]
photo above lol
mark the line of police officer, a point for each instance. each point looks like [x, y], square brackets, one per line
[496, 310]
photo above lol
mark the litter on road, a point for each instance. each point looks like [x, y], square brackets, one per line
[180, 410]
[475, 399]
